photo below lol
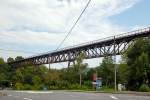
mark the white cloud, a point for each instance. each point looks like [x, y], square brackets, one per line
[46, 22]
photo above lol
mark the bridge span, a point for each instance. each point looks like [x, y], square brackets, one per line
[94, 49]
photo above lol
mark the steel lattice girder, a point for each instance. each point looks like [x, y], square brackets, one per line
[117, 44]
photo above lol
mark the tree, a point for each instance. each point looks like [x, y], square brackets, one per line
[89, 75]
[106, 71]
[138, 61]
[2, 62]
[10, 60]
[18, 58]
[122, 75]
[37, 82]
[80, 66]
[18, 77]
[30, 77]
[52, 76]
[5, 72]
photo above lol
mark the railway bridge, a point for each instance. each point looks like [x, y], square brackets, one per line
[109, 46]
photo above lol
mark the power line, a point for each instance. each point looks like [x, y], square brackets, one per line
[69, 32]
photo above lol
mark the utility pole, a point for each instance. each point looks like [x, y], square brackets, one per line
[80, 80]
[49, 67]
[115, 76]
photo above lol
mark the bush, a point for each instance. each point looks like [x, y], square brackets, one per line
[19, 86]
[27, 87]
[38, 87]
[106, 89]
[88, 83]
[144, 88]
[75, 86]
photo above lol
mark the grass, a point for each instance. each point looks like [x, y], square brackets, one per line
[106, 89]
[101, 90]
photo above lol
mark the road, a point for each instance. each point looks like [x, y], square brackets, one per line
[62, 95]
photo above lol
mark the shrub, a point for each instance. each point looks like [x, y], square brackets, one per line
[144, 88]
[19, 86]
[106, 89]
[27, 87]
[74, 86]
[37, 87]
[88, 83]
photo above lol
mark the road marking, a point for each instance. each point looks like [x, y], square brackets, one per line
[16, 96]
[27, 99]
[35, 91]
[39, 91]
[74, 96]
[113, 97]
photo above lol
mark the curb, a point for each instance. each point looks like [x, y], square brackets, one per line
[134, 93]
[123, 92]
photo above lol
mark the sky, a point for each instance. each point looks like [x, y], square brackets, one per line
[38, 26]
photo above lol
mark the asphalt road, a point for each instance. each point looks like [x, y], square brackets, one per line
[62, 95]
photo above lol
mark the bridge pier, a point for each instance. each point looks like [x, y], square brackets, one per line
[36, 68]
[69, 63]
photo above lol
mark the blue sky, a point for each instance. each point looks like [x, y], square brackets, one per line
[137, 15]
[40, 25]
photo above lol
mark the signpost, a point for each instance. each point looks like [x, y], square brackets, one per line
[97, 82]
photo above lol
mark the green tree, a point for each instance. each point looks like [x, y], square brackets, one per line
[122, 75]
[19, 86]
[32, 77]
[2, 61]
[80, 66]
[106, 71]
[138, 61]
[10, 60]
[5, 72]
[18, 58]
[37, 82]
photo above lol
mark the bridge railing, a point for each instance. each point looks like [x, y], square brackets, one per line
[109, 38]
[133, 32]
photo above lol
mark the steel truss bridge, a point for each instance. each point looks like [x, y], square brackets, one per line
[100, 48]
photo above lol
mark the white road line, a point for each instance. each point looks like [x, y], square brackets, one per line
[113, 97]
[40, 92]
[44, 92]
[27, 99]
[74, 96]
[16, 96]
